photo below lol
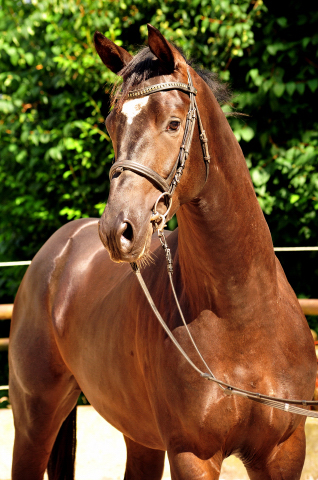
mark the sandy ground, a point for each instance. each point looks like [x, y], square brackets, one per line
[101, 450]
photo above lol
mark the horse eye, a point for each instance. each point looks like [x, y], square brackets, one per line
[174, 125]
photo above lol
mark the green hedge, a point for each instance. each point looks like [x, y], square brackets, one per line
[55, 151]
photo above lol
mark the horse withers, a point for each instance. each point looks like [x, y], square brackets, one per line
[82, 322]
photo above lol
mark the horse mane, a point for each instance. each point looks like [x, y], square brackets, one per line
[145, 65]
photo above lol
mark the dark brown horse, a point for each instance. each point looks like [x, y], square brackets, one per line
[82, 322]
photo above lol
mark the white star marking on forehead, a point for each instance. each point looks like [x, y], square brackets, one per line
[131, 108]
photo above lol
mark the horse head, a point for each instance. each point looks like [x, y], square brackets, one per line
[146, 126]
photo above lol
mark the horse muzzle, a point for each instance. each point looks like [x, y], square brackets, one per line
[125, 238]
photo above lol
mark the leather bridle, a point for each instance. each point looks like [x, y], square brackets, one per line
[169, 184]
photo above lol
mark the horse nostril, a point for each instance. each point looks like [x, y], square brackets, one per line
[128, 232]
[126, 235]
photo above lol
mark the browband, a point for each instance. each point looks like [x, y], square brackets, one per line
[162, 86]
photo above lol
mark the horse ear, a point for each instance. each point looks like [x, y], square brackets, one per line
[161, 48]
[113, 56]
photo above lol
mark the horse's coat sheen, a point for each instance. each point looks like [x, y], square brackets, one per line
[81, 321]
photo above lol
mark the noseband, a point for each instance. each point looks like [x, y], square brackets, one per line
[169, 184]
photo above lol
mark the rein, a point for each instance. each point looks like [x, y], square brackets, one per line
[284, 404]
[167, 187]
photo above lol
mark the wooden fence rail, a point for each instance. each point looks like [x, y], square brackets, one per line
[309, 307]
[6, 311]
[4, 344]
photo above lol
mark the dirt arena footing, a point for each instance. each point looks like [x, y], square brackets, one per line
[101, 453]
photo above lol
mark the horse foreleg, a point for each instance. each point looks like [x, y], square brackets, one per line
[143, 463]
[38, 419]
[285, 462]
[187, 466]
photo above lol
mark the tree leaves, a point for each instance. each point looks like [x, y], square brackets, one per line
[55, 151]
[280, 79]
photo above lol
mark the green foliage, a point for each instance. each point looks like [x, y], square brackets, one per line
[55, 151]
[214, 32]
[278, 81]
[52, 130]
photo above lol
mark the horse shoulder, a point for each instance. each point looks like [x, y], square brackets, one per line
[57, 261]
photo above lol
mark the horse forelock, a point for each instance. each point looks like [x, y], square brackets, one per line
[145, 65]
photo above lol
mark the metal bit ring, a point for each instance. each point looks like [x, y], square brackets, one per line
[158, 218]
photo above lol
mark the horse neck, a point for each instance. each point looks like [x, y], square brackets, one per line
[226, 257]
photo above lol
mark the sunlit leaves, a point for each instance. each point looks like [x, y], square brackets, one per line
[55, 151]
[54, 147]
[214, 32]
